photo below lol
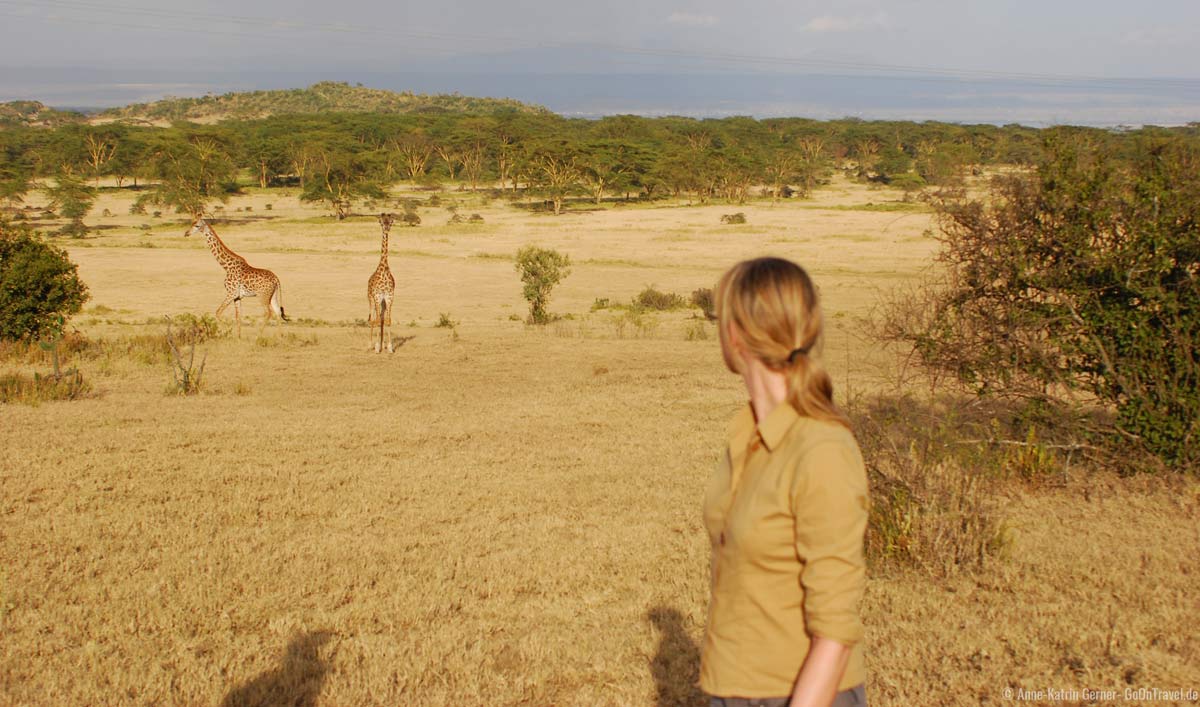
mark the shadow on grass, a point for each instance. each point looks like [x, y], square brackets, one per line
[296, 682]
[676, 663]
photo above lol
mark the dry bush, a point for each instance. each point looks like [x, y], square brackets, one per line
[650, 298]
[933, 505]
[703, 299]
[697, 330]
[186, 376]
[19, 388]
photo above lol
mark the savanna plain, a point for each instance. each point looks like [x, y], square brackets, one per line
[500, 513]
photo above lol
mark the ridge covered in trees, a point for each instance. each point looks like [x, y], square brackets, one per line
[326, 96]
[34, 114]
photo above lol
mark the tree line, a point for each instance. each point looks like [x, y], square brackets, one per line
[337, 158]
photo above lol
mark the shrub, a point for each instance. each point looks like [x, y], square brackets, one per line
[703, 299]
[410, 218]
[192, 329]
[1082, 277]
[39, 285]
[475, 218]
[739, 217]
[541, 269]
[445, 322]
[650, 298]
[186, 376]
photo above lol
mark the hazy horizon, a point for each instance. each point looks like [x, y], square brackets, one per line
[1101, 62]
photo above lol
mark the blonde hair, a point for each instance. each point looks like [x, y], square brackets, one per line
[772, 302]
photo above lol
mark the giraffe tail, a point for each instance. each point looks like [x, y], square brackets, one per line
[277, 302]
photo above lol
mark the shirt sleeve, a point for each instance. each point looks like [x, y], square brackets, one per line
[830, 502]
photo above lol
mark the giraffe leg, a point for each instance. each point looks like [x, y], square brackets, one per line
[266, 318]
[228, 300]
[237, 315]
[371, 314]
[378, 343]
[388, 321]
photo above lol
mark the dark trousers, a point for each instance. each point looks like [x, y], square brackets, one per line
[854, 697]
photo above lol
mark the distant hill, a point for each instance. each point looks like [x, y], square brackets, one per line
[33, 113]
[327, 96]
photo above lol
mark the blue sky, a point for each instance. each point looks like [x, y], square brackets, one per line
[1018, 40]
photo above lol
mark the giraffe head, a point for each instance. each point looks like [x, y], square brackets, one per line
[385, 221]
[199, 226]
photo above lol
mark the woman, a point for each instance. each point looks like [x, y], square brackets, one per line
[786, 509]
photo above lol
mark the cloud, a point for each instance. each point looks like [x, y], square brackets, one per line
[691, 20]
[832, 23]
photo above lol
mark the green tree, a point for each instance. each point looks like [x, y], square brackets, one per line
[338, 178]
[556, 171]
[1084, 277]
[39, 285]
[16, 170]
[191, 171]
[72, 198]
[541, 269]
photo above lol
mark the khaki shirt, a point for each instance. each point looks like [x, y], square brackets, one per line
[785, 511]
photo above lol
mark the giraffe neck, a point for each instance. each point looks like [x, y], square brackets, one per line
[383, 250]
[225, 257]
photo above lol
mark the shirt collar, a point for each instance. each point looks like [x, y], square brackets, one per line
[772, 430]
[776, 426]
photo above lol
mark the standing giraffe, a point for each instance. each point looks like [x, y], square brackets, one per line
[380, 290]
[241, 278]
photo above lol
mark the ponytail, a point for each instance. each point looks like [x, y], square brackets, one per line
[773, 304]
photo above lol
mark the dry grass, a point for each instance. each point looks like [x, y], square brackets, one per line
[495, 513]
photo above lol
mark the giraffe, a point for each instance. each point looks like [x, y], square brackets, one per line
[381, 288]
[241, 278]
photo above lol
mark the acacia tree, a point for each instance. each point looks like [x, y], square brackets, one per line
[338, 178]
[72, 198]
[16, 173]
[414, 151]
[556, 171]
[606, 166]
[813, 163]
[190, 173]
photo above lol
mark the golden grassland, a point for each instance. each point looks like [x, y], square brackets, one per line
[496, 513]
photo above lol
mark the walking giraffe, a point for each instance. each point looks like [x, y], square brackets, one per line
[241, 278]
[380, 290]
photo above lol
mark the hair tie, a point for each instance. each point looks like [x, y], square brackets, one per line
[802, 351]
